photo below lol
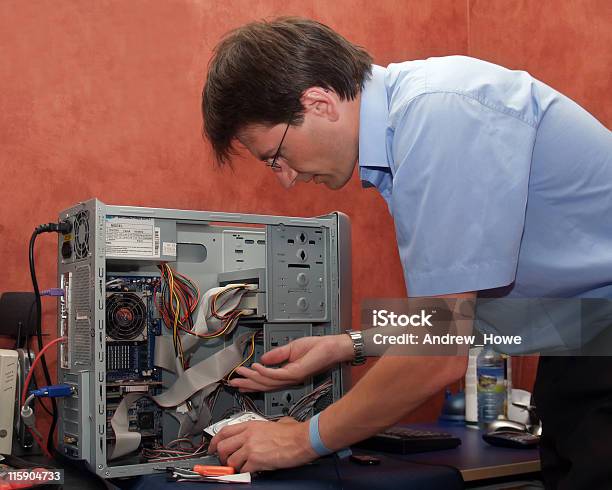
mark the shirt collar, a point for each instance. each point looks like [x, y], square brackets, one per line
[374, 170]
[373, 117]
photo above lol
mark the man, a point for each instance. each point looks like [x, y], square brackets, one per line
[497, 184]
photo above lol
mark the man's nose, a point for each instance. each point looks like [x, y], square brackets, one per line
[303, 177]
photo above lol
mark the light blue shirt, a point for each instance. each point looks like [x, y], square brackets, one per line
[492, 177]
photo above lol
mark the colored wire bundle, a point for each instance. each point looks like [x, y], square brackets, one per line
[301, 410]
[178, 300]
[218, 297]
[242, 402]
[175, 450]
[246, 403]
[229, 319]
[230, 322]
[246, 359]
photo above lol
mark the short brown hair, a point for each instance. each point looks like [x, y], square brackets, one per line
[259, 72]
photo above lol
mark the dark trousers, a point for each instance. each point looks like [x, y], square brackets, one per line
[573, 398]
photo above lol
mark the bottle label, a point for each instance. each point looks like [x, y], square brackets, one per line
[491, 379]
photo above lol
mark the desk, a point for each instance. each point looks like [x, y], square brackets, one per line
[472, 461]
[326, 474]
[477, 460]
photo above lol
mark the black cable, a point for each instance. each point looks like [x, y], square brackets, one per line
[18, 337]
[337, 468]
[38, 316]
[63, 227]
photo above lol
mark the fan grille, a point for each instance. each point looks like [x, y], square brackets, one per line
[81, 234]
[126, 316]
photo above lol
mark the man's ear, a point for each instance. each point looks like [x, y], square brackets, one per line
[321, 102]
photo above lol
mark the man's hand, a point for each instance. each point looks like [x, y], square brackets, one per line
[304, 357]
[257, 446]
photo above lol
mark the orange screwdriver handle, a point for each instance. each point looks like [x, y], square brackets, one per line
[213, 470]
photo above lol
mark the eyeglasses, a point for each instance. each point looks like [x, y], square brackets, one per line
[272, 162]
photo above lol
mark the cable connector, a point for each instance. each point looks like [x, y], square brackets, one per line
[27, 416]
[61, 227]
[53, 391]
[52, 292]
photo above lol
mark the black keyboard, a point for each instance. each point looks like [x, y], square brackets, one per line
[400, 440]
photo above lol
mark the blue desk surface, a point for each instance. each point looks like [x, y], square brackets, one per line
[472, 460]
[326, 474]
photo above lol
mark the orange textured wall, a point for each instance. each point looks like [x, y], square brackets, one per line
[102, 99]
[565, 43]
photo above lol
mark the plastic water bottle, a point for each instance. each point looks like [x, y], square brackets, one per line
[492, 386]
[471, 392]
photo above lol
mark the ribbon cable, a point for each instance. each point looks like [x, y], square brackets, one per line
[204, 375]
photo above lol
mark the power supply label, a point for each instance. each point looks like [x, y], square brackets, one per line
[131, 237]
[169, 248]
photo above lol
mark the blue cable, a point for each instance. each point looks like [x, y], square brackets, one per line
[53, 391]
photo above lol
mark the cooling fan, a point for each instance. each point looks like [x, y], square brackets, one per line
[81, 234]
[126, 317]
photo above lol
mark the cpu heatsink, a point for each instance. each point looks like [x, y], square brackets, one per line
[126, 317]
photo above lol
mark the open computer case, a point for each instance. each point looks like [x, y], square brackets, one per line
[142, 381]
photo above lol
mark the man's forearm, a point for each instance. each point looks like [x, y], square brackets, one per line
[395, 386]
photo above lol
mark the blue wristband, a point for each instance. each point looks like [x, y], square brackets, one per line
[315, 437]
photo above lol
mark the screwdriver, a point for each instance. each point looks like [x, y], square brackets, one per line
[205, 470]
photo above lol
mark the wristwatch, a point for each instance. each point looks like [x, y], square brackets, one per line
[357, 339]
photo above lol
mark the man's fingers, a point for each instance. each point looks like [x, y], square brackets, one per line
[227, 447]
[250, 467]
[276, 356]
[245, 371]
[286, 373]
[227, 431]
[237, 459]
[256, 377]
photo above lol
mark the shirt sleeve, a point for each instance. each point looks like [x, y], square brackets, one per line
[459, 198]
